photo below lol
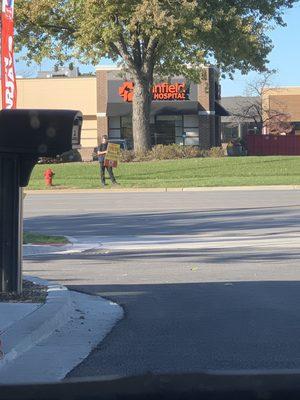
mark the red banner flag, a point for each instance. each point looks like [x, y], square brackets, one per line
[8, 75]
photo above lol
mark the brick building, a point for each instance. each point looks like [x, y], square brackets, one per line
[285, 100]
[243, 117]
[179, 108]
[182, 112]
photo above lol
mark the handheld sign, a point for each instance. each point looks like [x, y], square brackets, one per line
[112, 155]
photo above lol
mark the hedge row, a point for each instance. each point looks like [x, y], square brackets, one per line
[171, 152]
[159, 152]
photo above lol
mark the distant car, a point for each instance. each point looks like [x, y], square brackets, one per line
[125, 144]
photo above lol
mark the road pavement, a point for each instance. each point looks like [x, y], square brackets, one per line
[208, 280]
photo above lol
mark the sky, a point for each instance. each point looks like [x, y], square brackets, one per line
[285, 58]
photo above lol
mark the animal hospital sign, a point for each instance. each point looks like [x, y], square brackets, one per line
[161, 91]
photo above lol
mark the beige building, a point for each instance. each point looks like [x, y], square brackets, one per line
[182, 112]
[64, 93]
[285, 100]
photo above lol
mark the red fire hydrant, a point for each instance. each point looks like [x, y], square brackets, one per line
[48, 174]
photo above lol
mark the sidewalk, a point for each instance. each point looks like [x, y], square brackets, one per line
[43, 342]
[158, 190]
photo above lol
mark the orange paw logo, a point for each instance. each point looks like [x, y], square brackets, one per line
[126, 91]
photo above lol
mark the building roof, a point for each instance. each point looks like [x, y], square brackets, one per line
[107, 67]
[238, 106]
[221, 111]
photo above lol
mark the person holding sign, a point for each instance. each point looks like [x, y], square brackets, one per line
[104, 162]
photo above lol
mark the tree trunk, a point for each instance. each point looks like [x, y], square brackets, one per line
[141, 107]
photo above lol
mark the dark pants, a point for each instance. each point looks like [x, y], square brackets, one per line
[110, 173]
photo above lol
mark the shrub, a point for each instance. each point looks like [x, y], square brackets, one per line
[127, 156]
[161, 152]
[174, 151]
[69, 156]
[216, 152]
[170, 152]
[142, 156]
[48, 160]
[193, 152]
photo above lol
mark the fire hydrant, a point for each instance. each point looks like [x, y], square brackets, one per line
[48, 174]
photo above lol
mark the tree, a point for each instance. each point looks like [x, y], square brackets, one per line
[255, 108]
[151, 37]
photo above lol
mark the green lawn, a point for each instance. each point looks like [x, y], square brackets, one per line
[36, 238]
[197, 172]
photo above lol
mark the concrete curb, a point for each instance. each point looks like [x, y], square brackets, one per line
[35, 327]
[243, 188]
[51, 341]
[161, 190]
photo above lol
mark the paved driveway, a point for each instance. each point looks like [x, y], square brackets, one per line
[208, 280]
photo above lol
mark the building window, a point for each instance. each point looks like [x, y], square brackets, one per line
[167, 129]
[229, 132]
[191, 130]
[126, 128]
[296, 125]
[114, 129]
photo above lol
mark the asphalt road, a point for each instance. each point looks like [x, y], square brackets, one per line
[208, 280]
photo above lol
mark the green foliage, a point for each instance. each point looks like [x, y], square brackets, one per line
[171, 152]
[215, 152]
[68, 156]
[37, 238]
[151, 38]
[127, 156]
[160, 36]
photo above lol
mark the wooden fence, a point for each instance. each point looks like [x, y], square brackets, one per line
[271, 145]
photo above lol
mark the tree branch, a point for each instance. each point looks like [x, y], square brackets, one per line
[149, 58]
[137, 54]
[124, 53]
[122, 47]
[59, 27]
